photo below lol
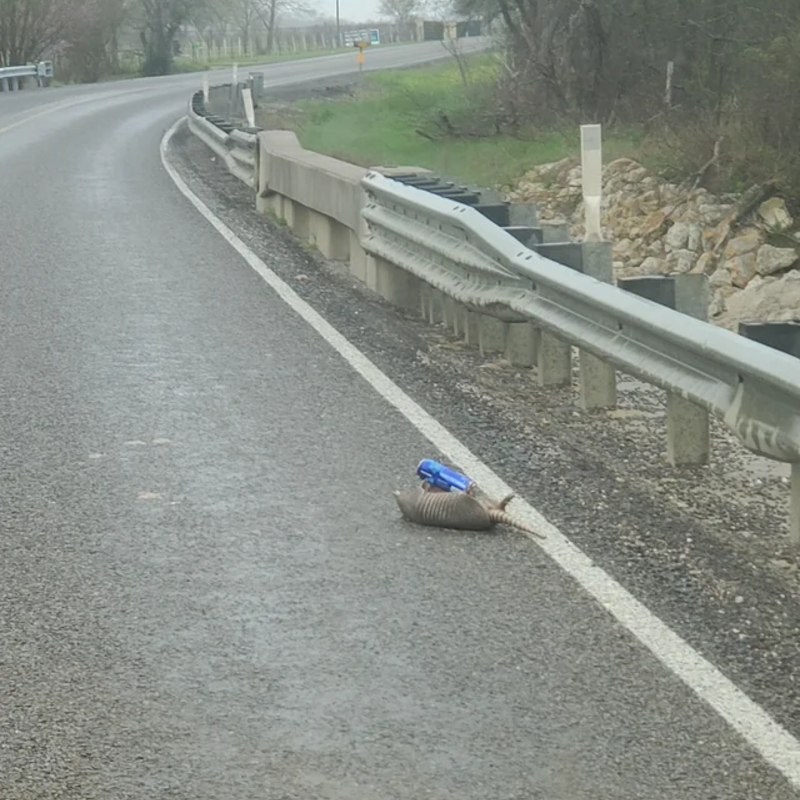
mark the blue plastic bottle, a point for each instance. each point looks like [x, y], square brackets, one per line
[442, 476]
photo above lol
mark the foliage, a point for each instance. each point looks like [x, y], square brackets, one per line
[84, 34]
[733, 88]
[395, 120]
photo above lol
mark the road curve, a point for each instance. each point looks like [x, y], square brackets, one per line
[205, 589]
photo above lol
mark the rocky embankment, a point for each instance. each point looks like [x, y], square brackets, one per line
[747, 244]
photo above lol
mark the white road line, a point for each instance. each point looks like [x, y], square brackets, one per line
[770, 739]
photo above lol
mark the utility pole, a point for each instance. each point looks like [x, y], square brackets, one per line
[338, 31]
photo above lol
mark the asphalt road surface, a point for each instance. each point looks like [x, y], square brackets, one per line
[206, 591]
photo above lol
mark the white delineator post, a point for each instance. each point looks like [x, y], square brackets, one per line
[592, 179]
[597, 379]
[205, 88]
[247, 99]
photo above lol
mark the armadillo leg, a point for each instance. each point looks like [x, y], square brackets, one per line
[505, 501]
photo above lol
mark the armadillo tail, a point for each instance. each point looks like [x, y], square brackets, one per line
[504, 518]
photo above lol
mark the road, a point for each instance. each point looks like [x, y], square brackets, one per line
[205, 587]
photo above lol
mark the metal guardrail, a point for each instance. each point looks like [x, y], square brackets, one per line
[237, 148]
[472, 256]
[10, 76]
[752, 388]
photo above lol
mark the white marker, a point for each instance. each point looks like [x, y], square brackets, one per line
[592, 179]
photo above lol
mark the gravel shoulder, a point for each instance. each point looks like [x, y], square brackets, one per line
[703, 548]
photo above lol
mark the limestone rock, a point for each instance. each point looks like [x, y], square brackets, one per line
[677, 236]
[716, 305]
[774, 214]
[720, 279]
[707, 263]
[742, 268]
[694, 241]
[766, 301]
[654, 223]
[620, 165]
[681, 260]
[623, 248]
[746, 242]
[658, 228]
[654, 266]
[773, 259]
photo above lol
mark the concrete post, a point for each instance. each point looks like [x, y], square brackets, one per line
[435, 306]
[450, 313]
[399, 287]
[688, 437]
[554, 356]
[471, 327]
[424, 299]
[554, 231]
[523, 214]
[491, 334]
[296, 216]
[794, 507]
[358, 259]
[522, 344]
[688, 430]
[598, 379]
[553, 361]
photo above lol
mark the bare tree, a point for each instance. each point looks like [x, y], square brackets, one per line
[160, 22]
[401, 12]
[270, 11]
[28, 28]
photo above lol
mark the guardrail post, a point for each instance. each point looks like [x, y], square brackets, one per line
[553, 232]
[523, 215]
[794, 506]
[471, 322]
[597, 378]
[688, 436]
[522, 344]
[784, 336]
[554, 355]
[598, 381]
[394, 284]
[437, 307]
[492, 333]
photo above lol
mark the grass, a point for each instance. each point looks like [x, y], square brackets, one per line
[392, 121]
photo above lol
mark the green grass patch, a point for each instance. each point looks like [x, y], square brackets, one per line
[432, 117]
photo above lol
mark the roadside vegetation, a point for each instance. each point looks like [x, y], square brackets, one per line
[438, 117]
[704, 91]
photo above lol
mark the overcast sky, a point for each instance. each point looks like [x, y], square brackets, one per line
[357, 10]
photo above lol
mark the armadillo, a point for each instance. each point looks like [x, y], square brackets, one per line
[429, 505]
